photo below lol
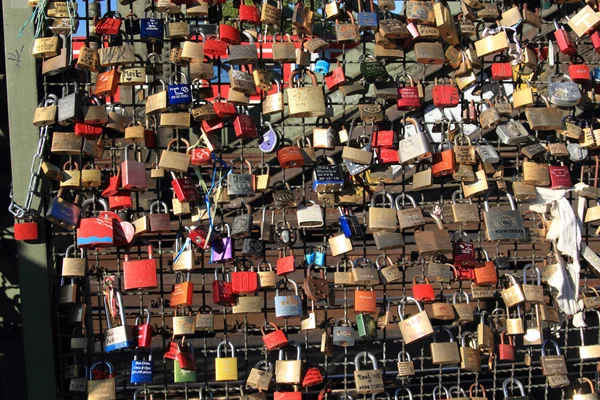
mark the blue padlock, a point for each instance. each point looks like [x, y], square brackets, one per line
[367, 21]
[287, 305]
[309, 256]
[142, 370]
[320, 257]
[322, 66]
[179, 93]
[63, 213]
[597, 74]
[350, 225]
[151, 29]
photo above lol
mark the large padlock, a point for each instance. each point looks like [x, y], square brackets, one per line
[244, 282]
[368, 381]
[382, 218]
[173, 160]
[151, 28]
[287, 305]
[242, 184]
[141, 273]
[416, 326]
[443, 353]
[133, 172]
[160, 222]
[142, 370]
[432, 242]
[562, 91]
[243, 54]
[289, 371]
[298, 97]
[101, 385]
[95, 232]
[503, 225]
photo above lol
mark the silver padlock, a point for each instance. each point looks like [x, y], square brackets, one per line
[562, 91]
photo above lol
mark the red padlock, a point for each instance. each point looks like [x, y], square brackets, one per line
[595, 37]
[387, 156]
[312, 377]
[114, 184]
[249, 14]
[26, 230]
[501, 69]
[198, 236]
[274, 340]
[140, 274]
[224, 109]
[290, 156]
[212, 125]
[506, 351]
[578, 70]
[185, 356]
[184, 188]
[287, 396]
[463, 252]
[95, 232]
[335, 78]
[109, 24]
[408, 96]
[365, 301]
[171, 352]
[422, 291]
[445, 95]
[565, 44]
[244, 282]
[121, 200]
[285, 264]
[222, 290]
[444, 161]
[384, 138]
[200, 156]
[133, 172]
[214, 47]
[143, 332]
[87, 130]
[560, 177]
[463, 273]
[150, 133]
[244, 126]
[229, 34]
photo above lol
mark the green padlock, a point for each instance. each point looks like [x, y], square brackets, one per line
[367, 326]
[373, 69]
[184, 375]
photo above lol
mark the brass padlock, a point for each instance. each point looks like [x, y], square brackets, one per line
[382, 218]
[443, 353]
[415, 327]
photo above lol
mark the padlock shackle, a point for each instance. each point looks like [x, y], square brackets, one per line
[397, 393]
[383, 257]
[440, 328]
[266, 324]
[230, 346]
[511, 200]
[385, 195]
[553, 343]
[156, 206]
[402, 304]
[480, 387]
[439, 388]
[149, 248]
[400, 200]
[458, 294]
[298, 350]
[514, 381]
[282, 282]
[537, 273]
[90, 202]
[72, 248]
[406, 357]
[365, 354]
[468, 338]
[267, 364]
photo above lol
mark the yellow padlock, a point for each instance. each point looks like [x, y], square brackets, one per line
[226, 368]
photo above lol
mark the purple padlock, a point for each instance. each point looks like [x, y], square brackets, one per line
[222, 248]
[270, 140]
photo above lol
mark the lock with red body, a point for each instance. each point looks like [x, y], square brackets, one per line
[121, 200]
[560, 177]
[133, 172]
[224, 109]
[335, 78]
[229, 34]
[222, 290]
[87, 130]
[445, 95]
[249, 14]
[143, 332]
[25, 229]
[501, 68]
[595, 37]
[463, 251]
[109, 24]
[95, 232]
[422, 291]
[408, 96]
[200, 156]
[198, 236]
[214, 47]
[184, 188]
[140, 274]
[244, 282]
[384, 138]
[244, 126]
[578, 70]
[290, 156]
[274, 340]
[312, 377]
[565, 44]
[387, 156]
[506, 351]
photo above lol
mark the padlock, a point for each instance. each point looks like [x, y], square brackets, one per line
[485, 333]
[70, 108]
[116, 337]
[484, 273]
[327, 178]
[222, 249]
[464, 213]
[433, 242]
[366, 326]
[410, 217]
[512, 294]
[160, 222]
[464, 312]
[67, 292]
[422, 291]
[222, 290]
[62, 212]
[142, 333]
[185, 363]
[562, 91]
[260, 376]
[142, 370]
[438, 271]
[405, 365]
[585, 396]
[443, 353]
[388, 269]
[372, 69]
[552, 364]
[502, 225]
[534, 293]
[463, 252]
[343, 334]
[242, 184]
[309, 215]
[183, 324]
[274, 340]
[287, 305]
[151, 28]
[174, 161]
[244, 282]
[95, 232]
[226, 368]
[470, 358]
[103, 387]
[350, 226]
[299, 107]
[289, 371]
[141, 273]
[382, 218]
[182, 292]
[133, 172]
[46, 47]
[415, 327]
[413, 149]
[45, 113]
[368, 381]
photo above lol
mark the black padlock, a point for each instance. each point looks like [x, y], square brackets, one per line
[242, 225]
[284, 234]
[132, 24]
[252, 248]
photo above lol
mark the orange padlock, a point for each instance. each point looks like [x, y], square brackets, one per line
[365, 301]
